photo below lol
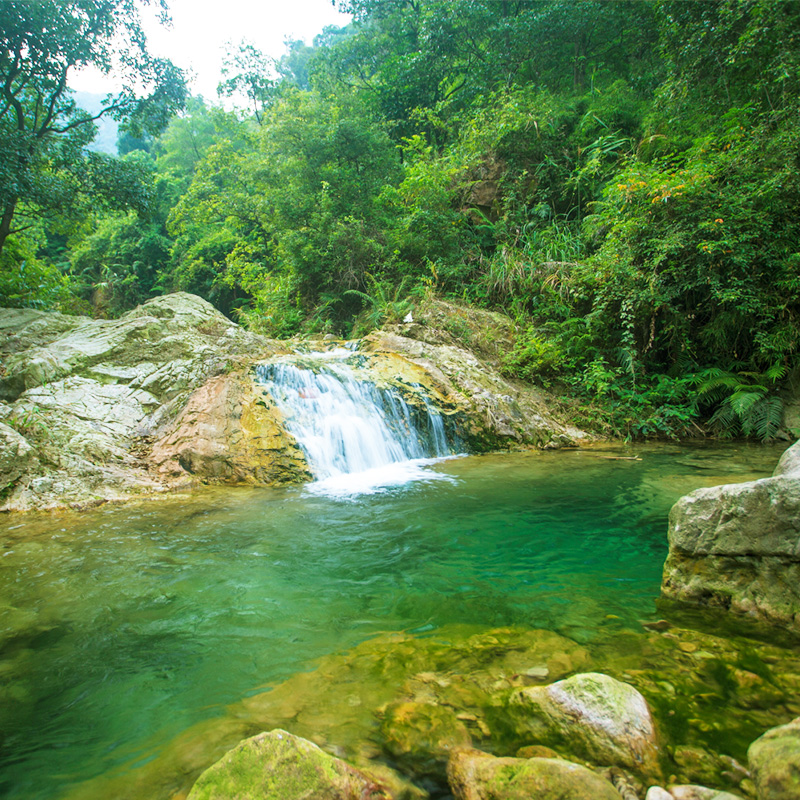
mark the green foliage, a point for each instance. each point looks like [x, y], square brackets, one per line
[744, 403]
[622, 177]
[384, 302]
[46, 172]
[117, 266]
[299, 195]
[27, 281]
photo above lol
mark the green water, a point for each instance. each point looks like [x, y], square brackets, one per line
[122, 627]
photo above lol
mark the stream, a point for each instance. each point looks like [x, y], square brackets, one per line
[123, 627]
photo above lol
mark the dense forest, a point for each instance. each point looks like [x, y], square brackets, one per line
[620, 177]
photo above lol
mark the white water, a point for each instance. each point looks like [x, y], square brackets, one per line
[357, 437]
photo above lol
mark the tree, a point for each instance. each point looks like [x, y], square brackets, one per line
[250, 73]
[44, 165]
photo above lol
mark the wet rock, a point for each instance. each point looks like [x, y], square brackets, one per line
[593, 715]
[658, 625]
[420, 736]
[775, 762]
[474, 775]
[623, 783]
[492, 411]
[738, 546]
[658, 793]
[536, 751]
[280, 766]
[698, 764]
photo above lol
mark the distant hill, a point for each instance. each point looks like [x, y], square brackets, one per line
[107, 128]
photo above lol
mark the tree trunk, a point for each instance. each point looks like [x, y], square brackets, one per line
[5, 222]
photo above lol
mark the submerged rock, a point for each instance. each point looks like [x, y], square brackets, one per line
[594, 716]
[775, 762]
[420, 736]
[474, 775]
[737, 546]
[280, 766]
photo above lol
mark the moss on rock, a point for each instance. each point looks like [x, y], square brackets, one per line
[279, 766]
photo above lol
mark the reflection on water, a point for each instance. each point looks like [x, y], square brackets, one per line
[121, 628]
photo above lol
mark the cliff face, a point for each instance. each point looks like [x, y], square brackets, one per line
[98, 410]
[738, 546]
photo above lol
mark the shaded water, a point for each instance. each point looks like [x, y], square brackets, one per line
[124, 626]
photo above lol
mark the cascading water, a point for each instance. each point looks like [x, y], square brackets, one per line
[348, 426]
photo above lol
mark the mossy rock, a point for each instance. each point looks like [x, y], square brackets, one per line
[474, 775]
[279, 766]
[592, 716]
[421, 735]
[775, 762]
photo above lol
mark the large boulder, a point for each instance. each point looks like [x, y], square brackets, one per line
[280, 766]
[230, 431]
[737, 546]
[474, 775]
[83, 398]
[775, 762]
[593, 716]
[459, 349]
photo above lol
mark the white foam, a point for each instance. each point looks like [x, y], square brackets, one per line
[379, 479]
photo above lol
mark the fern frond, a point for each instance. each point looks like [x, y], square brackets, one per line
[766, 418]
[725, 421]
[776, 372]
[743, 400]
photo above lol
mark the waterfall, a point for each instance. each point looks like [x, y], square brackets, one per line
[348, 426]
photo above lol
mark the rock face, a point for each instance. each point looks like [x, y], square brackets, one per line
[82, 398]
[280, 766]
[497, 413]
[775, 762]
[230, 433]
[474, 775]
[595, 716]
[738, 546]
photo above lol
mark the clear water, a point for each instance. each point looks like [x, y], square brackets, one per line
[122, 627]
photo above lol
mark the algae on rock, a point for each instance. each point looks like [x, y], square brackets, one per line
[280, 766]
[474, 775]
[595, 717]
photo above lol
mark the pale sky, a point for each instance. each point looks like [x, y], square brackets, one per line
[202, 29]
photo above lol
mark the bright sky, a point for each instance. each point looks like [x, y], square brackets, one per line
[202, 30]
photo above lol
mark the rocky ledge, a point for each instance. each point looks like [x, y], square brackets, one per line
[164, 397]
[737, 547]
